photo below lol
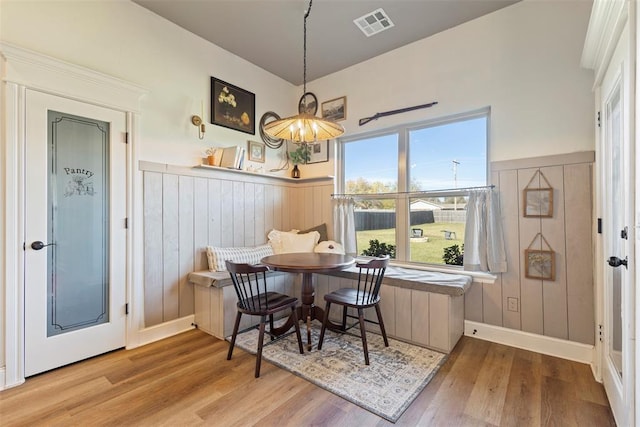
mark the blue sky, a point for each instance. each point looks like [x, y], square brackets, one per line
[433, 150]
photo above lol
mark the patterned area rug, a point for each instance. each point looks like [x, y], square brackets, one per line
[394, 378]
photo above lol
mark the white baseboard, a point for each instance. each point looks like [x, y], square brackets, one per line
[163, 330]
[2, 378]
[564, 349]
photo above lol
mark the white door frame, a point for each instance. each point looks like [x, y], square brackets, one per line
[27, 69]
[606, 25]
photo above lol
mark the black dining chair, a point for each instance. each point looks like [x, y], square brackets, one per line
[366, 295]
[250, 283]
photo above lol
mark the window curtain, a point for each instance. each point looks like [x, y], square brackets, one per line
[483, 240]
[344, 223]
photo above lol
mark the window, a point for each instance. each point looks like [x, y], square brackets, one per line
[411, 185]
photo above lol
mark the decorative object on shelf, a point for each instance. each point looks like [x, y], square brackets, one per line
[376, 116]
[256, 151]
[538, 202]
[308, 104]
[197, 121]
[318, 152]
[268, 117]
[214, 156]
[335, 109]
[232, 107]
[539, 263]
[301, 155]
[379, 249]
[304, 127]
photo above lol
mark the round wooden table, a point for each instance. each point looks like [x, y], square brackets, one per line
[307, 263]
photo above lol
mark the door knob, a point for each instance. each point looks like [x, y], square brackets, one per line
[614, 261]
[37, 245]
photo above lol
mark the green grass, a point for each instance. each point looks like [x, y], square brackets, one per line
[428, 252]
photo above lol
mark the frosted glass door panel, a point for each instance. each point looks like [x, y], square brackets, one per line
[78, 223]
[617, 223]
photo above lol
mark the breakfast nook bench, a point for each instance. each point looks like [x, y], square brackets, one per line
[418, 306]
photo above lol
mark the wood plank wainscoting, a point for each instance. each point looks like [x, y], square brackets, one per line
[186, 209]
[562, 308]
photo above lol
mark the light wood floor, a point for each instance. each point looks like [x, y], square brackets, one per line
[186, 380]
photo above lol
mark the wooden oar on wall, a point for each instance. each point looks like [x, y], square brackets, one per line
[392, 112]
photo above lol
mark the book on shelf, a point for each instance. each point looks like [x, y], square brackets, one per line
[231, 157]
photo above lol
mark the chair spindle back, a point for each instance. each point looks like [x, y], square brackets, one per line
[370, 279]
[250, 283]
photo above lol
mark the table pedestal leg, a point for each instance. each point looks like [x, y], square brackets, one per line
[308, 312]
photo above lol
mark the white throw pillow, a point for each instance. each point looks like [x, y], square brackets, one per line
[284, 242]
[329, 247]
[250, 255]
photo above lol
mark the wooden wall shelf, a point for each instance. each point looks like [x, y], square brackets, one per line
[268, 175]
[226, 173]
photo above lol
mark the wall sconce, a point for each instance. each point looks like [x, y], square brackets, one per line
[197, 121]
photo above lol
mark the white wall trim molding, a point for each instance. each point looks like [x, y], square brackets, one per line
[578, 352]
[37, 71]
[608, 18]
[21, 70]
[163, 330]
[13, 213]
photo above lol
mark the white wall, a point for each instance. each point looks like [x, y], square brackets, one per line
[124, 40]
[523, 61]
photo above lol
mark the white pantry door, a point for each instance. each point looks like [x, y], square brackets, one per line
[75, 233]
[615, 169]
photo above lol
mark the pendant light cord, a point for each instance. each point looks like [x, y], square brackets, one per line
[304, 50]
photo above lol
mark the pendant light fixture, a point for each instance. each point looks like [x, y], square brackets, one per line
[304, 127]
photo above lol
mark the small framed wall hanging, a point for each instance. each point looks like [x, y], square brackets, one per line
[319, 152]
[540, 263]
[538, 202]
[256, 151]
[335, 109]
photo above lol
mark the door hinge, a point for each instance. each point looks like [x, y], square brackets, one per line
[624, 233]
[598, 119]
[126, 308]
[600, 332]
[126, 223]
[126, 137]
[599, 225]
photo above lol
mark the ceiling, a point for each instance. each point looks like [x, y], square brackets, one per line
[269, 33]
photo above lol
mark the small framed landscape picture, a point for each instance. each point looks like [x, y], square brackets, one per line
[335, 109]
[538, 202]
[319, 152]
[256, 151]
[539, 264]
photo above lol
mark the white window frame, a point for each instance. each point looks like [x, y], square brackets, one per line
[403, 196]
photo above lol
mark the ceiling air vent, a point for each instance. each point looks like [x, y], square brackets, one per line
[374, 22]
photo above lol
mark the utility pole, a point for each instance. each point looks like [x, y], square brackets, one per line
[455, 183]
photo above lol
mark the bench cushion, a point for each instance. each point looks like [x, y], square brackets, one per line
[217, 279]
[210, 278]
[411, 278]
[428, 281]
